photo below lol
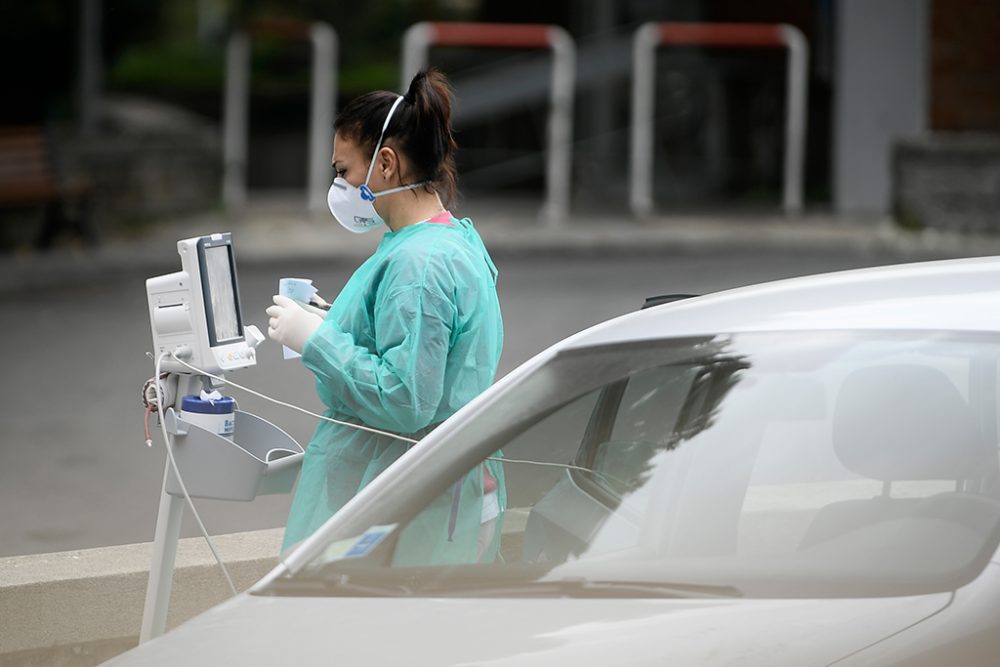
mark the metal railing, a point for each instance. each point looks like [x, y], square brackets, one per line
[420, 37]
[236, 106]
[727, 35]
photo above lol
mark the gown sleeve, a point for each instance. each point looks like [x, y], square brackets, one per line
[398, 387]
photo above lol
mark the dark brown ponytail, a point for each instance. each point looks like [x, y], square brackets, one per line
[420, 128]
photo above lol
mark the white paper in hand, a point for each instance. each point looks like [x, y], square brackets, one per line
[297, 289]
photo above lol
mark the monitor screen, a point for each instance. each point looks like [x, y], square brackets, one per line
[223, 318]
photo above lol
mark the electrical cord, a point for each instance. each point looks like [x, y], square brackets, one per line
[359, 427]
[544, 464]
[170, 452]
[145, 424]
[564, 466]
[180, 480]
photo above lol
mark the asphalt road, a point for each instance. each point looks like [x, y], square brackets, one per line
[74, 471]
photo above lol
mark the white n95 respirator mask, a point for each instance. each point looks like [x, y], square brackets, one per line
[353, 206]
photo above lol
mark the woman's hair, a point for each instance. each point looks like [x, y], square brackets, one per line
[420, 128]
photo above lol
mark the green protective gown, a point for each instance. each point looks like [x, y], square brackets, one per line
[414, 335]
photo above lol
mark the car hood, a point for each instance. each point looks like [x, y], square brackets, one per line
[261, 630]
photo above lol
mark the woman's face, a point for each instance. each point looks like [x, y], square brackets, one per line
[349, 162]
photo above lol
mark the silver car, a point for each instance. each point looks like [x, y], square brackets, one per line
[803, 472]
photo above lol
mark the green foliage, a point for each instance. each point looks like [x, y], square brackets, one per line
[371, 75]
[168, 68]
[154, 48]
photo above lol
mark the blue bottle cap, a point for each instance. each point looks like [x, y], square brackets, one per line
[219, 406]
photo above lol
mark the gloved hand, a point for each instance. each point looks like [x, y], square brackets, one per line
[290, 324]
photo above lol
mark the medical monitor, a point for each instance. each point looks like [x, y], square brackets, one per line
[197, 309]
[220, 291]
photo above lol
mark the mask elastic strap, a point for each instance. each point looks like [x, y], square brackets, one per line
[366, 192]
[378, 145]
[400, 188]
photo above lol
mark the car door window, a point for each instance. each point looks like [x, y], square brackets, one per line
[840, 464]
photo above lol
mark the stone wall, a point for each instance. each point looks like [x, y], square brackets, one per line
[949, 182]
[147, 161]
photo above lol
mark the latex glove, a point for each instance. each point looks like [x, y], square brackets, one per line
[290, 324]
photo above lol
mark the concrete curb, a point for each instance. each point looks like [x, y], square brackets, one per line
[83, 607]
[80, 608]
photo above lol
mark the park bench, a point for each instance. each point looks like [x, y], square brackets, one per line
[29, 178]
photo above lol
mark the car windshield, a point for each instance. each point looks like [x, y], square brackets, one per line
[818, 464]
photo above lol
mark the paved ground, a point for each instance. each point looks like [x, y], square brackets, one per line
[74, 472]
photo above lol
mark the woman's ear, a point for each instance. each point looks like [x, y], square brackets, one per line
[387, 166]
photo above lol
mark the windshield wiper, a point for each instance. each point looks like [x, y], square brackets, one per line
[410, 583]
[337, 586]
[584, 588]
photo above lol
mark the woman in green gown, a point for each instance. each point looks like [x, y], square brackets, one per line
[416, 332]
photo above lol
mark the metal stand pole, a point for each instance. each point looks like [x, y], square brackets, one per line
[161, 569]
[168, 532]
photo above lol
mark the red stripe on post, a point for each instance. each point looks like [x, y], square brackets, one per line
[491, 35]
[721, 34]
[278, 28]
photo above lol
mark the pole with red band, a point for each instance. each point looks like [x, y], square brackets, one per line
[717, 35]
[421, 37]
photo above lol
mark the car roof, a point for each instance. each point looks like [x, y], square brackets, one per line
[957, 294]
